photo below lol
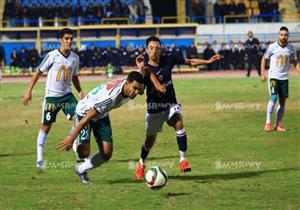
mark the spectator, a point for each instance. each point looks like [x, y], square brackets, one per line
[232, 53]
[231, 9]
[207, 54]
[14, 61]
[252, 49]
[216, 46]
[125, 9]
[90, 13]
[141, 11]
[210, 11]
[24, 59]
[218, 11]
[192, 52]
[78, 12]
[225, 57]
[199, 11]
[241, 10]
[110, 71]
[265, 9]
[33, 59]
[133, 9]
[274, 7]
[2, 61]
[242, 55]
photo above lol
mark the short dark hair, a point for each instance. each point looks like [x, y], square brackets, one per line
[135, 76]
[283, 28]
[152, 38]
[65, 31]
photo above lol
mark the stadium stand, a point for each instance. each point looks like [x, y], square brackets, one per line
[114, 31]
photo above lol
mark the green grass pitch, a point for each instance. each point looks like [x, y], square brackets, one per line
[235, 164]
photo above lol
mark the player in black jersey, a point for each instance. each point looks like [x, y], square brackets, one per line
[163, 107]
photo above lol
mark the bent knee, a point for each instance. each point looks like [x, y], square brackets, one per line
[106, 156]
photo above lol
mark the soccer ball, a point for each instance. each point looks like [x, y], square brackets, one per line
[156, 177]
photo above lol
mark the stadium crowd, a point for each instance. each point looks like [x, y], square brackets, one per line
[234, 56]
[201, 10]
[30, 13]
[76, 14]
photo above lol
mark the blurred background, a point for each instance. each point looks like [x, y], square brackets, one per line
[109, 34]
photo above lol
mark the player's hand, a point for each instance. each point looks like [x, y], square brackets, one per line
[27, 97]
[214, 58]
[65, 144]
[139, 61]
[162, 89]
[263, 77]
[81, 94]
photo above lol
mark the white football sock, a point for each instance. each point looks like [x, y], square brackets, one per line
[182, 156]
[41, 141]
[270, 110]
[94, 162]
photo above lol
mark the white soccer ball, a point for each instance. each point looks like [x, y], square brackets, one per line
[156, 177]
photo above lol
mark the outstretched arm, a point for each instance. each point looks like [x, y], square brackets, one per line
[66, 144]
[76, 84]
[28, 93]
[196, 61]
[147, 73]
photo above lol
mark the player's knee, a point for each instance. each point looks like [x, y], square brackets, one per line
[282, 102]
[274, 98]
[83, 155]
[106, 156]
[45, 128]
[83, 150]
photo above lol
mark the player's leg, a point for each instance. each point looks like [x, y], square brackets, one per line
[154, 123]
[41, 141]
[103, 134]
[176, 121]
[283, 94]
[272, 86]
[249, 66]
[145, 149]
[49, 113]
[81, 145]
[257, 65]
[68, 104]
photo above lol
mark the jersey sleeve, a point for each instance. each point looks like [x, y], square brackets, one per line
[45, 64]
[103, 105]
[268, 52]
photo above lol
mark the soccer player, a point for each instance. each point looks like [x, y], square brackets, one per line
[62, 67]
[280, 54]
[164, 107]
[92, 114]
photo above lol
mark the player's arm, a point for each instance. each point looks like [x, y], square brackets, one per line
[296, 64]
[77, 85]
[196, 61]
[28, 93]
[67, 143]
[263, 69]
[147, 73]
